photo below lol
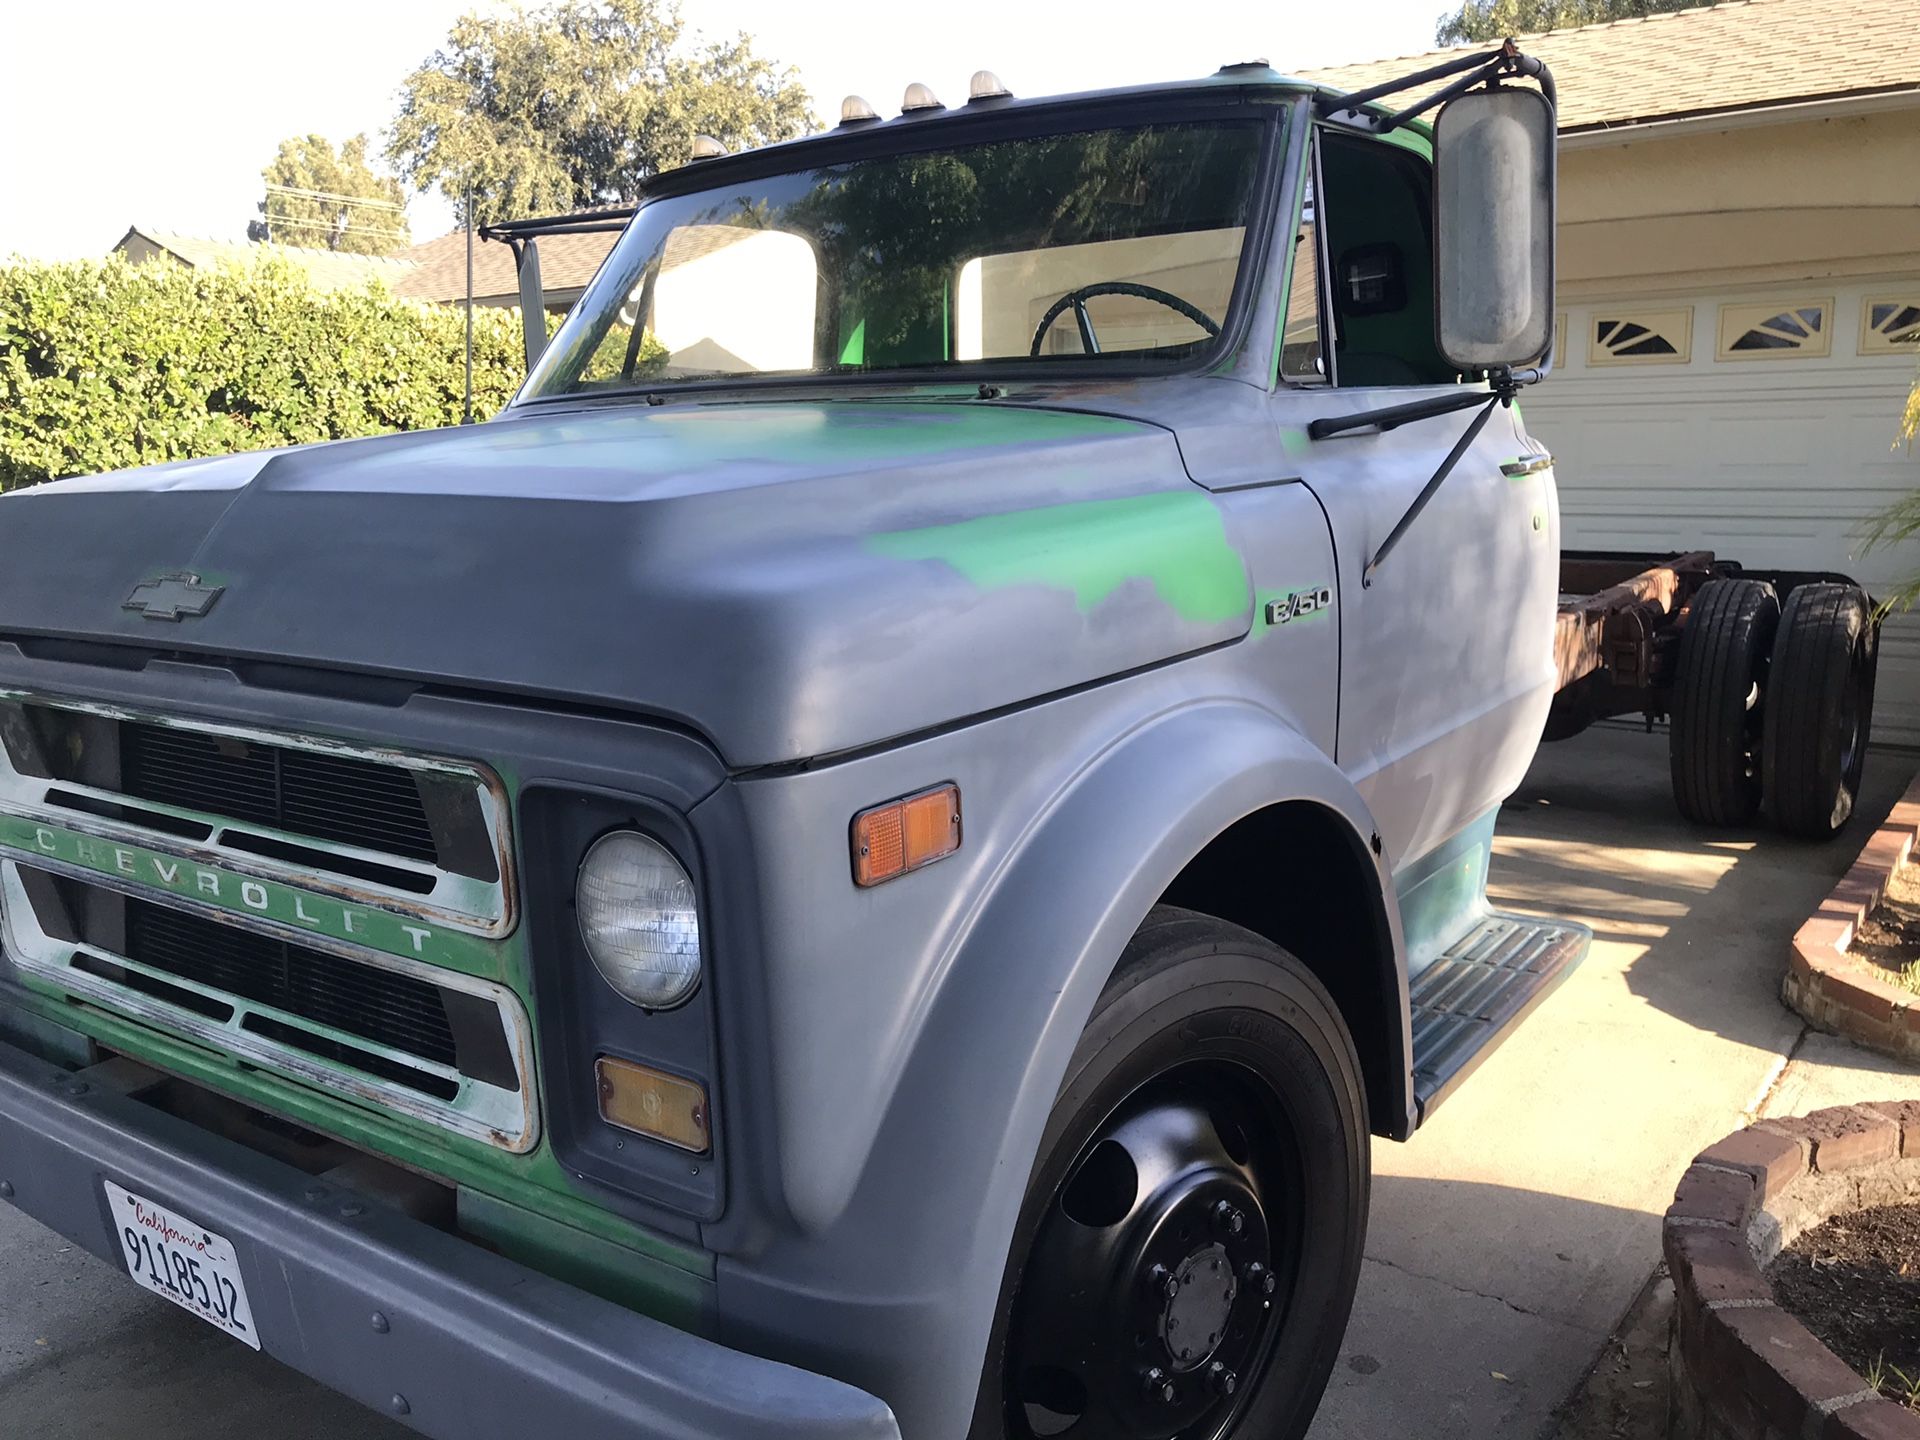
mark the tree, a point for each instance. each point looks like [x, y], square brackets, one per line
[1482, 21]
[326, 199]
[577, 104]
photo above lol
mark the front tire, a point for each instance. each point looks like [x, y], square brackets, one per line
[1186, 1256]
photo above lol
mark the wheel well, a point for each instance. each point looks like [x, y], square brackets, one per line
[1296, 874]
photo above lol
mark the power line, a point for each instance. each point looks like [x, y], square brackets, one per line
[288, 222]
[362, 201]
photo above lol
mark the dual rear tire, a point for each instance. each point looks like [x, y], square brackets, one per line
[1772, 705]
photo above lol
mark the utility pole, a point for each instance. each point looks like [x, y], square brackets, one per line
[468, 418]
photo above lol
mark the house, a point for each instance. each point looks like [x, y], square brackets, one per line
[1739, 288]
[435, 271]
[438, 270]
[327, 269]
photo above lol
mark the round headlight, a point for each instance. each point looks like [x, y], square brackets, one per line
[638, 920]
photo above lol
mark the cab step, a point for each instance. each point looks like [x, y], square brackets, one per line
[1465, 1003]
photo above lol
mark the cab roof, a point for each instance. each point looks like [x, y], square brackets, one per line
[1250, 82]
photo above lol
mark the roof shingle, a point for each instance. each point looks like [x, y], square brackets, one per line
[1739, 55]
[327, 269]
[567, 263]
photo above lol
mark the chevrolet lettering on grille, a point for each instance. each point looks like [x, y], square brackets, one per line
[240, 894]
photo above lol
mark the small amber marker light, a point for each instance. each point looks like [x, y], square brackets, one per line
[649, 1102]
[903, 835]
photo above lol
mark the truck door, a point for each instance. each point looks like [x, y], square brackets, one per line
[1446, 650]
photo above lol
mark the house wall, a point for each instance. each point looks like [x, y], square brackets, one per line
[1774, 459]
[1792, 200]
[138, 250]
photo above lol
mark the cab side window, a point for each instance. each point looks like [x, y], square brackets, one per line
[1375, 202]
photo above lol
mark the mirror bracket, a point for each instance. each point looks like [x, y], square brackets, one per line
[1488, 67]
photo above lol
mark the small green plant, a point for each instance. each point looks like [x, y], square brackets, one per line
[1894, 1383]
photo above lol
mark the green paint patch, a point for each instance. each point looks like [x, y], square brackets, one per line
[643, 1282]
[534, 1182]
[1176, 541]
[1443, 891]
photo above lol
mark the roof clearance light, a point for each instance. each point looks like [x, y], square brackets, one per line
[855, 109]
[986, 86]
[705, 147]
[920, 97]
[902, 835]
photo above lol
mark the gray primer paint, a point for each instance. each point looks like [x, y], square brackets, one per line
[888, 1056]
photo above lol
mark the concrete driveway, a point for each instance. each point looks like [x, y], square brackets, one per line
[1508, 1238]
[1517, 1227]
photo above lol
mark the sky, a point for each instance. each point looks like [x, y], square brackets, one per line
[115, 113]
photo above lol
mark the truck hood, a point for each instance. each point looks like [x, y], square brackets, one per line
[790, 580]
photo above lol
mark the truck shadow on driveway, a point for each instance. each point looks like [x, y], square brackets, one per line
[1432, 1326]
[1455, 1337]
[1695, 921]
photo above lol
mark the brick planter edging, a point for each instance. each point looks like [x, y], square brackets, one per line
[1743, 1368]
[1828, 986]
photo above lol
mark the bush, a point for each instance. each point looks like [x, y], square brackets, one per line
[105, 365]
[1900, 521]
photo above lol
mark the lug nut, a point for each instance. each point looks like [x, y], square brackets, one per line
[1223, 1380]
[1228, 1218]
[1261, 1279]
[1162, 1283]
[1158, 1386]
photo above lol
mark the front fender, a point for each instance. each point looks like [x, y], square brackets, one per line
[909, 1240]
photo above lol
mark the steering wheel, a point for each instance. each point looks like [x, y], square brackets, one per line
[1078, 300]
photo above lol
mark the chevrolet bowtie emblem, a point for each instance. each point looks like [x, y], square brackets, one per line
[176, 595]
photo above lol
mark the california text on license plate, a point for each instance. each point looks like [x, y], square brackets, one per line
[182, 1260]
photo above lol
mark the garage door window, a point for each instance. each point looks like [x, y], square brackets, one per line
[1641, 337]
[1890, 325]
[1775, 331]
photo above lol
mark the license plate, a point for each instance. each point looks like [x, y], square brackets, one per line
[184, 1261]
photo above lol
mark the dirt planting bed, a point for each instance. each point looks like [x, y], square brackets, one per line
[1889, 938]
[1854, 1281]
[1851, 968]
[1827, 1207]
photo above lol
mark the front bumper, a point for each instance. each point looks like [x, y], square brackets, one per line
[467, 1345]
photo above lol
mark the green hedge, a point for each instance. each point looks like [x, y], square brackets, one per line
[104, 365]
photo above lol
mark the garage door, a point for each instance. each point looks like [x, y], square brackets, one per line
[1758, 423]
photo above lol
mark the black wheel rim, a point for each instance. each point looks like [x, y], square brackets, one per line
[1158, 1280]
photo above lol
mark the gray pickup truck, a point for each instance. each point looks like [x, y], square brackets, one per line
[866, 859]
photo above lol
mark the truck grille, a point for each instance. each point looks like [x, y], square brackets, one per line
[407, 832]
[289, 901]
[330, 797]
[393, 1010]
[428, 1041]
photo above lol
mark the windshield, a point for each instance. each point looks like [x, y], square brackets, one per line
[1121, 244]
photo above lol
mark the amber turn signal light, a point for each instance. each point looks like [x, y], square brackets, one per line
[651, 1103]
[905, 834]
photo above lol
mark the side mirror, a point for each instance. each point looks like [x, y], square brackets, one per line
[1493, 166]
